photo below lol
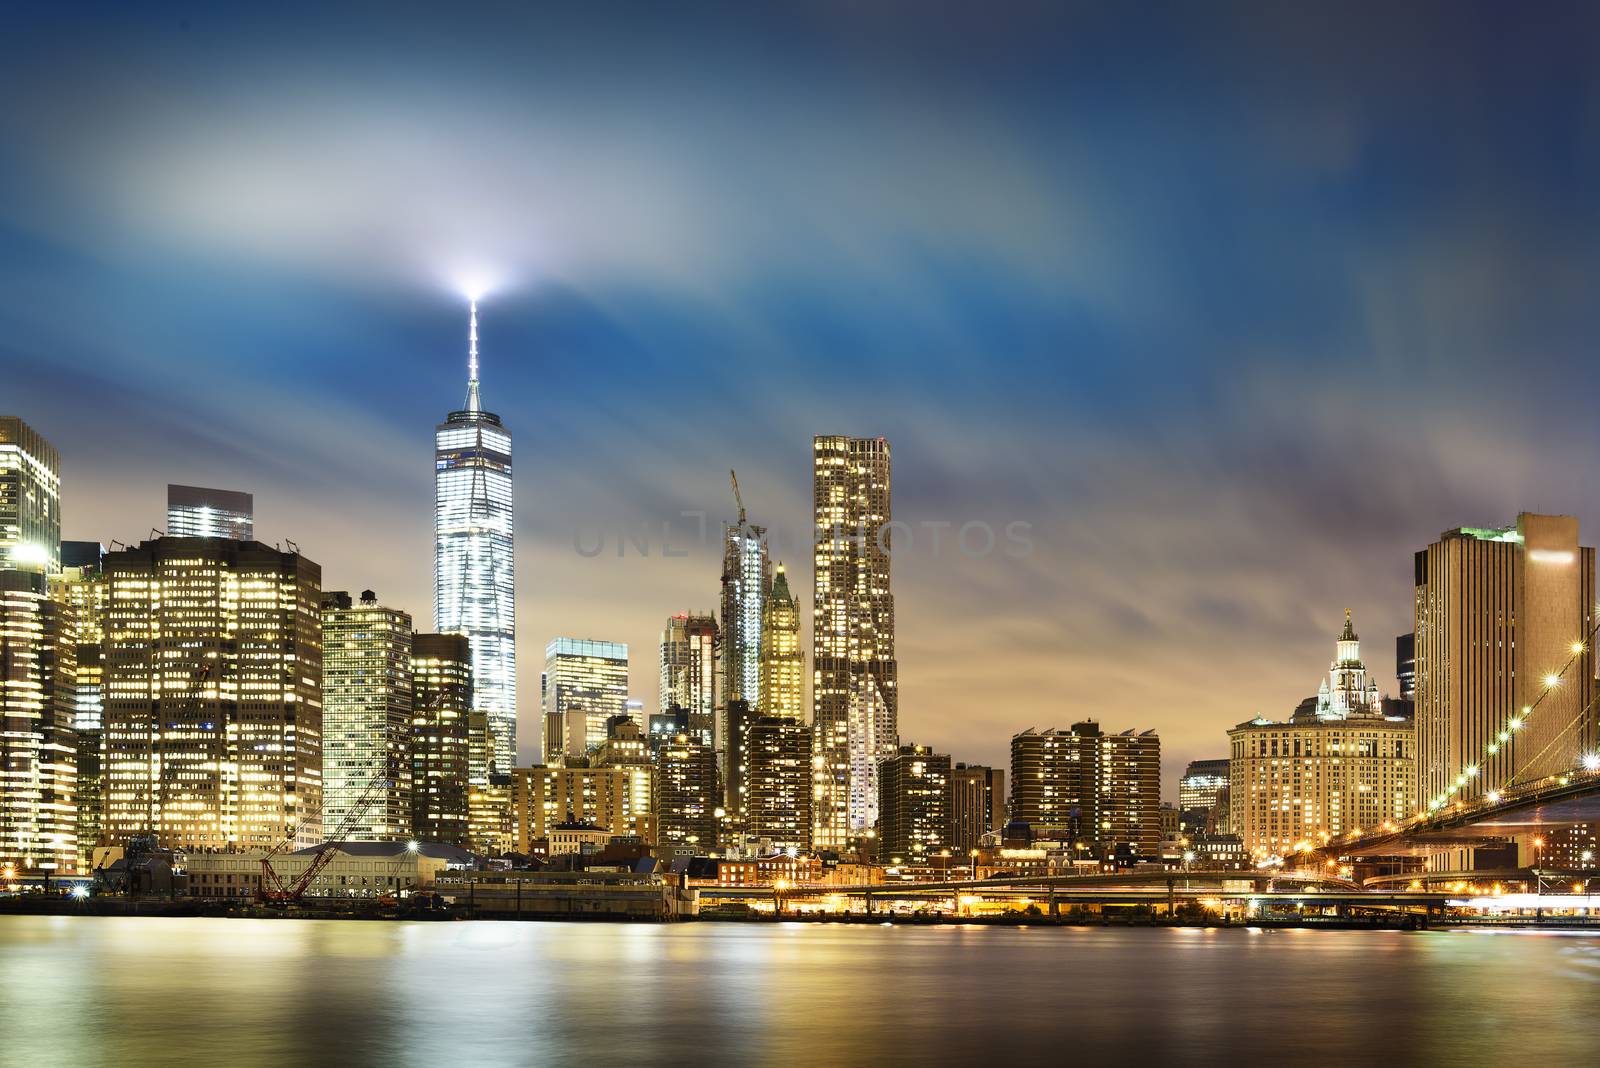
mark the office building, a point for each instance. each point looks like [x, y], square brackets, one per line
[664, 726]
[853, 688]
[81, 588]
[977, 805]
[689, 669]
[914, 822]
[628, 750]
[544, 797]
[490, 820]
[1321, 775]
[197, 512]
[366, 720]
[687, 796]
[1309, 778]
[778, 800]
[474, 582]
[1405, 666]
[746, 574]
[441, 701]
[783, 662]
[213, 694]
[585, 684]
[1504, 665]
[30, 499]
[1202, 783]
[38, 747]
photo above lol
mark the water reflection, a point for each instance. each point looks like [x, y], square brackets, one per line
[192, 991]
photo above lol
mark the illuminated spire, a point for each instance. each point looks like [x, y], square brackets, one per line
[473, 403]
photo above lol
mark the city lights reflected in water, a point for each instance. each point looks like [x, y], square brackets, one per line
[196, 991]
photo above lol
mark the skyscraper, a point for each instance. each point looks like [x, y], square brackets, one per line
[853, 665]
[441, 700]
[585, 684]
[783, 662]
[1130, 794]
[366, 718]
[81, 588]
[474, 584]
[1202, 784]
[914, 806]
[197, 512]
[977, 805]
[687, 796]
[746, 574]
[689, 668]
[30, 499]
[38, 748]
[1499, 615]
[213, 694]
[778, 802]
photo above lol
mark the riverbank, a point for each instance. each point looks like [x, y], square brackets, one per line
[367, 910]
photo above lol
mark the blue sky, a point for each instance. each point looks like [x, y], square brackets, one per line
[1238, 306]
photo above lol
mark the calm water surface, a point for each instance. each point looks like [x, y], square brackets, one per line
[135, 991]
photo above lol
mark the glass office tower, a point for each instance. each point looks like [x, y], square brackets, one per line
[474, 584]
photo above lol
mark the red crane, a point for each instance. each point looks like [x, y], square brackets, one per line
[274, 889]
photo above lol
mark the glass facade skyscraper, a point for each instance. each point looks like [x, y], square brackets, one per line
[30, 499]
[585, 684]
[198, 512]
[474, 584]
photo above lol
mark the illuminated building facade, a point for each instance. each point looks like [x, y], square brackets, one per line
[585, 684]
[1055, 778]
[441, 700]
[778, 800]
[1498, 615]
[1130, 795]
[30, 499]
[81, 588]
[1298, 781]
[366, 719]
[474, 582]
[689, 669]
[197, 512]
[543, 797]
[783, 662]
[853, 692]
[38, 748]
[1204, 800]
[914, 823]
[213, 694]
[977, 805]
[746, 574]
[687, 796]
[627, 749]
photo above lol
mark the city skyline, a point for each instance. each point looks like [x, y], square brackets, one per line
[1195, 392]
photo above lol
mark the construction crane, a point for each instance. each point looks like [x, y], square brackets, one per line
[274, 889]
[734, 475]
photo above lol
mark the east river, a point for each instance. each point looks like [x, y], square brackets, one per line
[131, 992]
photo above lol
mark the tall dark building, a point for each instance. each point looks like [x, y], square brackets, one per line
[736, 759]
[686, 781]
[977, 804]
[441, 746]
[778, 804]
[914, 806]
[1405, 666]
